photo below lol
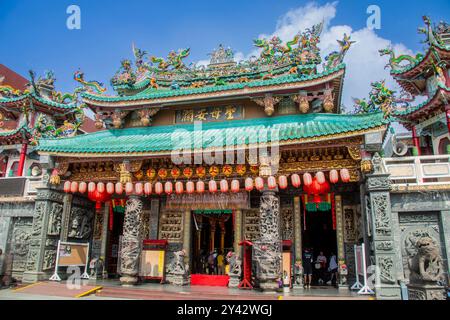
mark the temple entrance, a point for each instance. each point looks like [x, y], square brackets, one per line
[319, 236]
[212, 239]
[115, 232]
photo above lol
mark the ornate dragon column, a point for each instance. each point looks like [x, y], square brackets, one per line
[386, 258]
[131, 241]
[268, 250]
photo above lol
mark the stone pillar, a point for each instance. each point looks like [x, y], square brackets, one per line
[187, 237]
[237, 231]
[44, 235]
[154, 219]
[67, 206]
[340, 241]
[267, 252]
[131, 242]
[386, 258]
[298, 282]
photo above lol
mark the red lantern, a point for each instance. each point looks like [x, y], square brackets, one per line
[283, 182]
[235, 186]
[271, 182]
[334, 176]
[139, 188]
[307, 179]
[148, 188]
[82, 187]
[224, 185]
[91, 187]
[74, 187]
[179, 188]
[259, 183]
[296, 181]
[200, 186]
[98, 198]
[110, 188]
[101, 187]
[249, 184]
[190, 187]
[345, 175]
[129, 188]
[119, 188]
[158, 188]
[320, 177]
[67, 186]
[168, 187]
[212, 186]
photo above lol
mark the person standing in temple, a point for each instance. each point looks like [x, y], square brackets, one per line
[333, 269]
[307, 267]
[322, 261]
[220, 263]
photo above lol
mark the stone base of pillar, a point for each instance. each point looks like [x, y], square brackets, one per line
[270, 286]
[343, 287]
[178, 280]
[128, 281]
[388, 293]
[32, 277]
[234, 281]
[426, 292]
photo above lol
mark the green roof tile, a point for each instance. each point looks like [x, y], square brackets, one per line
[215, 134]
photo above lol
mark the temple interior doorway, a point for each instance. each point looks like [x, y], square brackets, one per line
[318, 235]
[212, 233]
[115, 231]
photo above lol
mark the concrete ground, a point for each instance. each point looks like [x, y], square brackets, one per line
[112, 290]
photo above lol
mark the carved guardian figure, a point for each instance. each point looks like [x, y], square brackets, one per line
[427, 264]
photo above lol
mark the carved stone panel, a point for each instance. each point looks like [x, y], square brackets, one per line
[20, 243]
[382, 214]
[81, 223]
[350, 232]
[287, 223]
[171, 226]
[421, 248]
[55, 219]
[251, 224]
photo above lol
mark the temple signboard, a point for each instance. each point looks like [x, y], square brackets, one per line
[221, 113]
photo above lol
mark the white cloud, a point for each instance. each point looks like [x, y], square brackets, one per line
[364, 64]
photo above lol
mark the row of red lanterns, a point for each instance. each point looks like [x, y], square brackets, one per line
[190, 187]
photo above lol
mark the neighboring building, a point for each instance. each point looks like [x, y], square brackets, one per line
[28, 111]
[419, 168]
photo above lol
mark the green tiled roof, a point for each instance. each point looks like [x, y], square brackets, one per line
[9, 133]
[41, 100]
[162, 139]
[412, 109]
[151, 93]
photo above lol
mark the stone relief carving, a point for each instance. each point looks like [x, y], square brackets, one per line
[55, 219]
[287, 216]
[177, 265]
[386, 265]
[171, 227]
[49, 260]
[349, 225]
[267, 251]
[384, 245]
[382, 214]
[80, 223]
[98, 226]
[131, 241]
[427, 264]
[251, 224]
[378, 183]
[21, 243]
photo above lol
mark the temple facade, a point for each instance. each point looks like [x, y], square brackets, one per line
[234, 155]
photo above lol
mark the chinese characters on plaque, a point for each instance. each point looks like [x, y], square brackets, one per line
[223, 113]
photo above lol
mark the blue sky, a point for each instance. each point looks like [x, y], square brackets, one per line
[34, 35]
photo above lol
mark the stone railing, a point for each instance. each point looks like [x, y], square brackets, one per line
[424, 170]
[19, 186]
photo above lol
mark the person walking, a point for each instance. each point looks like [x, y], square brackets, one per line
[322, 262]
[220, 263]
[333, 269]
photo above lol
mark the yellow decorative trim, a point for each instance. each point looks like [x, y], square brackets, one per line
[26, 287]
[440, 187]
[88, 292]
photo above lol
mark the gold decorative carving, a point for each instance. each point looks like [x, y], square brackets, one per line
[328, 102]
[305, 166]
[366, 166]
[268, 102]
[303, 102]
[355, 152]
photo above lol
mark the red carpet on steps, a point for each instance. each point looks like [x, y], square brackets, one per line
[209, 280]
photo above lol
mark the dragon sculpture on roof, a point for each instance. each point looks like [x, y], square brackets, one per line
[337, 57]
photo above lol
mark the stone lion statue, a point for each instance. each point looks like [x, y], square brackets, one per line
[427, 264]
[177, 265]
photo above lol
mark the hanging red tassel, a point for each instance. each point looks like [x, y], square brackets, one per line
[333, 211]
[111, 216]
